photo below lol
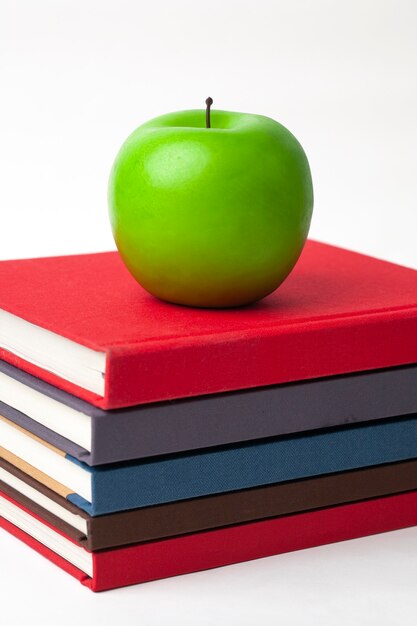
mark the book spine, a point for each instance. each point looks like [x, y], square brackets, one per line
[144, 431]
[199, 366]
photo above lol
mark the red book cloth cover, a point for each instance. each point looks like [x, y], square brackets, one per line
[205, 550]
[338, 312]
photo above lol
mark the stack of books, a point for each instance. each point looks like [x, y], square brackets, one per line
[140, 440]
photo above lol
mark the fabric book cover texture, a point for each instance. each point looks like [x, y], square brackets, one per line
[198, 551]
[338, 312]
[118, 487]
[189, 516]
[206, 421]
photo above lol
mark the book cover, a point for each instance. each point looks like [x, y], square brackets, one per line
[83, 324]
[117, 487]
[109, 569]
[190, 516]
[98, 437]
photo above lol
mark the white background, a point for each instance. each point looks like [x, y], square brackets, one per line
[76, 78]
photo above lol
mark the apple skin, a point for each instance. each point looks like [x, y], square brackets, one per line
[210, 217]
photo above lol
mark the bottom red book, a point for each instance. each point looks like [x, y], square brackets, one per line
[144, 562]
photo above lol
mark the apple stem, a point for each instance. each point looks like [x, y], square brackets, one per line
[209, 102]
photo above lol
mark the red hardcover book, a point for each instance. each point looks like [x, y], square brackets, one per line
[144, 562]
[83, 324]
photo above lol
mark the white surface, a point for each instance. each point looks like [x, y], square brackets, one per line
[61, 356]
[56, 416]
[77, 76]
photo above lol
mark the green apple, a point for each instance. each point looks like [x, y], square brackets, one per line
[210, 216]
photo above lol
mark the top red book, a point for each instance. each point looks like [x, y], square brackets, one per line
[83, 324]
